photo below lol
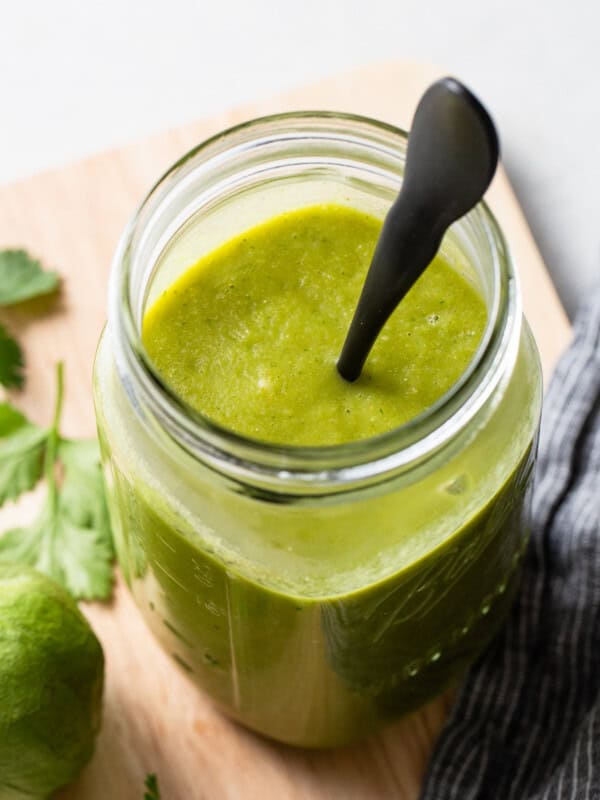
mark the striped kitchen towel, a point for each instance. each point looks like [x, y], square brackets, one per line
[526, 724]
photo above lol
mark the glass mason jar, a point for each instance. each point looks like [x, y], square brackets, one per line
[314, 593]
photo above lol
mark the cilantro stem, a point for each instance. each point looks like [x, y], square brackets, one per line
[53, 437]
[58, 403]
[50, 459]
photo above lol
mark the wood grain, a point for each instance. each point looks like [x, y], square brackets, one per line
[154, 719]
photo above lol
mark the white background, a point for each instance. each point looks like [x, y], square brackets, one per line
[80, 76]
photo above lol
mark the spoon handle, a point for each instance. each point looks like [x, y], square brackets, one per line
[408, 237]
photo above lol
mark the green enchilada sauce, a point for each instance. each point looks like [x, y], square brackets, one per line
[312, 624]
[250, 335]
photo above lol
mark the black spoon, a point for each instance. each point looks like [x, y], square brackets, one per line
[451, 158]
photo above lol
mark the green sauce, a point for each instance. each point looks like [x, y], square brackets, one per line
[250, 335]
[315, 620]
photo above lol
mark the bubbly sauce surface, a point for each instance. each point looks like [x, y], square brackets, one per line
[250, 334]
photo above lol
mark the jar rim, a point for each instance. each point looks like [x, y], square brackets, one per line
[299, 468]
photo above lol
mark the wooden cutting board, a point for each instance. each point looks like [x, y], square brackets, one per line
[154, 719]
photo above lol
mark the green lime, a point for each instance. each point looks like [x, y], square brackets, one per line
[51, 679]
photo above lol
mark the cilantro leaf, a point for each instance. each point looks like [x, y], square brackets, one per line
[83, 501]
[70, 539]
[11, 360]
[74, 555]
[22, 277]
[151, 784]
[22, 447]
[24, 545]
[83, 487]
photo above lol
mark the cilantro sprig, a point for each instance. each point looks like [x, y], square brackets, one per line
[21, 278]
[70, 539]
[151, 785]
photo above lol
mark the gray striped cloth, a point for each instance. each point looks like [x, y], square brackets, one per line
[527, 721]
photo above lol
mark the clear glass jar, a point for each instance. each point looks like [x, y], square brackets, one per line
[314, 593]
